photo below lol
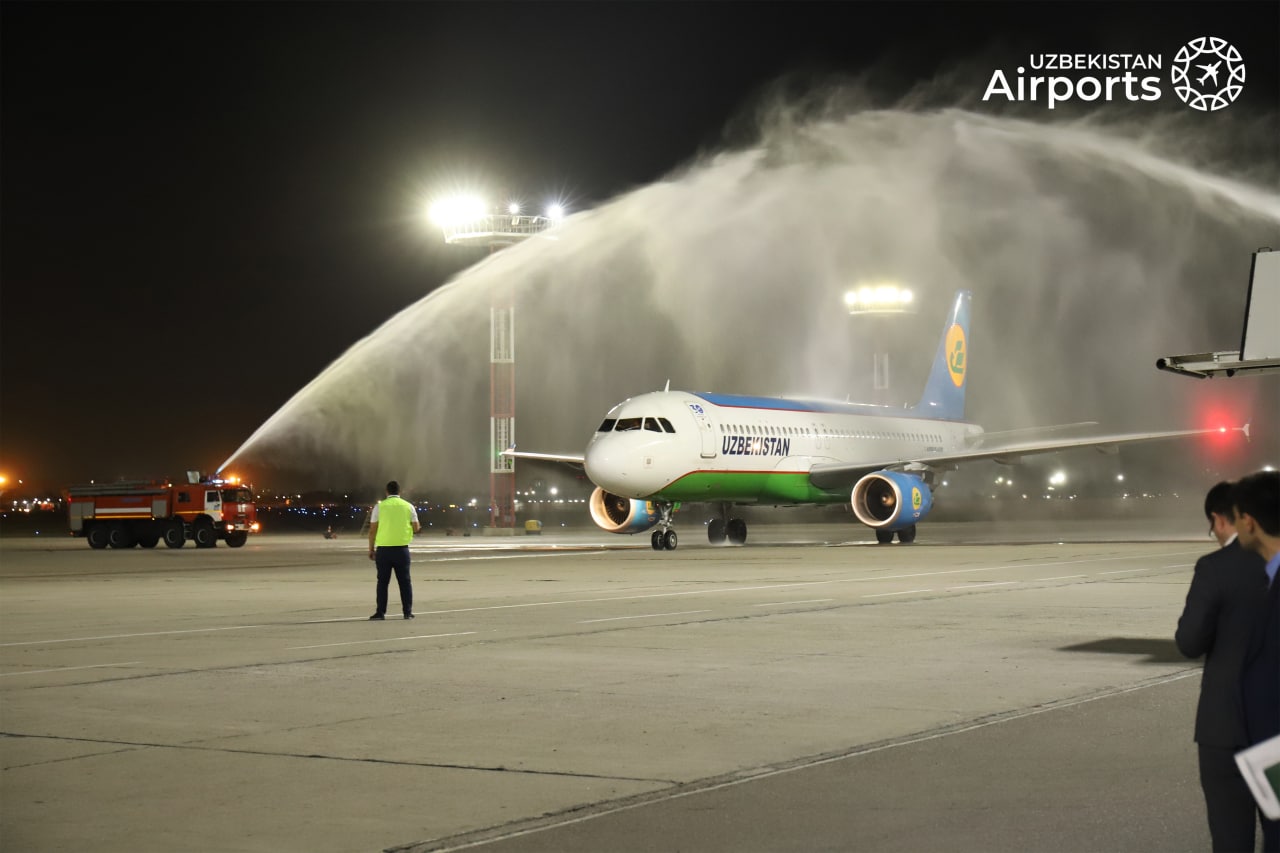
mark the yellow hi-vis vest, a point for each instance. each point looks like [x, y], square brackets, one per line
[395, 522]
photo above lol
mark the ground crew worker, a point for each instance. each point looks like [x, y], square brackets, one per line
[391, 529]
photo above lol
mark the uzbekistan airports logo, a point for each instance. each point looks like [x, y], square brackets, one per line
[916, 498]
[955, 355]
[1208, 73]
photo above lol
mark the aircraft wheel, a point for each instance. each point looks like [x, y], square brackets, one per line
[656, 540]
[884, 537]
[737, 531]
[670, 540]
[716, 532]
[907, 535]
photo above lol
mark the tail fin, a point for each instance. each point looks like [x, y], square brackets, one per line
[943, 396]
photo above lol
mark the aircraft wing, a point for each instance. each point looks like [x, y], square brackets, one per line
[567, 458]
[836, 475]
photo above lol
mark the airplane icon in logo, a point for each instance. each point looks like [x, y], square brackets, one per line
[1209, 71]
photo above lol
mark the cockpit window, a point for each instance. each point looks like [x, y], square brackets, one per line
[652, 425]
[666, 425]
[607, 426]
[628, 424]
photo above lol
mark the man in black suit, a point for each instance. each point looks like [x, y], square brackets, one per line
[1257, 518]
[1226, 595]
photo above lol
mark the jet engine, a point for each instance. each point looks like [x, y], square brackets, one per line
[891, 500]
[621, 515]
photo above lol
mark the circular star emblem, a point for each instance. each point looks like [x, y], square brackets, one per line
[1208, 73]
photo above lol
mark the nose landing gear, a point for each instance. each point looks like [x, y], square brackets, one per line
[664, 538]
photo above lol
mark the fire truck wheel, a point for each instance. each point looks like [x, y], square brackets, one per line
[97, 536]
[206, 537]
[120, 536]
[174, 534]
[151, 540]
[236, 539]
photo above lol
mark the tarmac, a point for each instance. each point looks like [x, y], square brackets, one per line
[989, 688]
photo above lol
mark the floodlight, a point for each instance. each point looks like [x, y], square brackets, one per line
[879, 298]
[456, 210]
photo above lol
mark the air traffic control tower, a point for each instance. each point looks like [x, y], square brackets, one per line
[472, 222]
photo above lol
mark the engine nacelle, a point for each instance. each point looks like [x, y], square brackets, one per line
[891, 500]
[621, 515]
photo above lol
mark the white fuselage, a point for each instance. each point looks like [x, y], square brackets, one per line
[682, 446]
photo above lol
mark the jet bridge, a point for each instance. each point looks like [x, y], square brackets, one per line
[1259, 340]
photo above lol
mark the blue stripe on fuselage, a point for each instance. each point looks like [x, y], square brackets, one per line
[784, 404]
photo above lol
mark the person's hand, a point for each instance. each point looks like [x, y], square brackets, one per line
[370, 553]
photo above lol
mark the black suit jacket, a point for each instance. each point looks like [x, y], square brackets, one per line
[1260, 679]
[1226, 597]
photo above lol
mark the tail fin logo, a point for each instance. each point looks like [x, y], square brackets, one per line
[956, 355]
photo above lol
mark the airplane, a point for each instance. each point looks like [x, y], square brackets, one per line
[658, 450]
[1209, 71]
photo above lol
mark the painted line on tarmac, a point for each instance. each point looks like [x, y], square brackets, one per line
[384, 639]
[795, 585]
[789, 603]
[904, 592]
[1063, 578]
[689, 789]
[645, 616]
[69, 668]
[129, 636]
[985, 584]
[509, 556]
[1121, 571]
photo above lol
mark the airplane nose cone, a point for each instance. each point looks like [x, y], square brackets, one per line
[620, 469]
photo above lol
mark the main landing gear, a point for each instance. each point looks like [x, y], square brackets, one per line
[906, 535]
[724, 528]
[719, 531]
[664, 538]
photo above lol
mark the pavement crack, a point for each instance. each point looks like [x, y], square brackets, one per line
[439, 765]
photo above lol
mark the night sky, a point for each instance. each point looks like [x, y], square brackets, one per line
[204, 204]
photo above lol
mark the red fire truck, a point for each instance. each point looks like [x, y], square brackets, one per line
[141, 512]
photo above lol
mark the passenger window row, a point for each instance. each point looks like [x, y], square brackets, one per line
[826, 433]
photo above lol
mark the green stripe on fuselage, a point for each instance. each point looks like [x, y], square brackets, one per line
[747, 487]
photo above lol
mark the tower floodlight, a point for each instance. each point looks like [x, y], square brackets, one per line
[884, 298]
[470, 221]
[878, 300]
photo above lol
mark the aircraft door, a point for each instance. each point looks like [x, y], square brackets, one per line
[706, 430]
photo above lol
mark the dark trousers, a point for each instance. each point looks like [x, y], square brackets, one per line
[390, 559]
[1233, 814]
